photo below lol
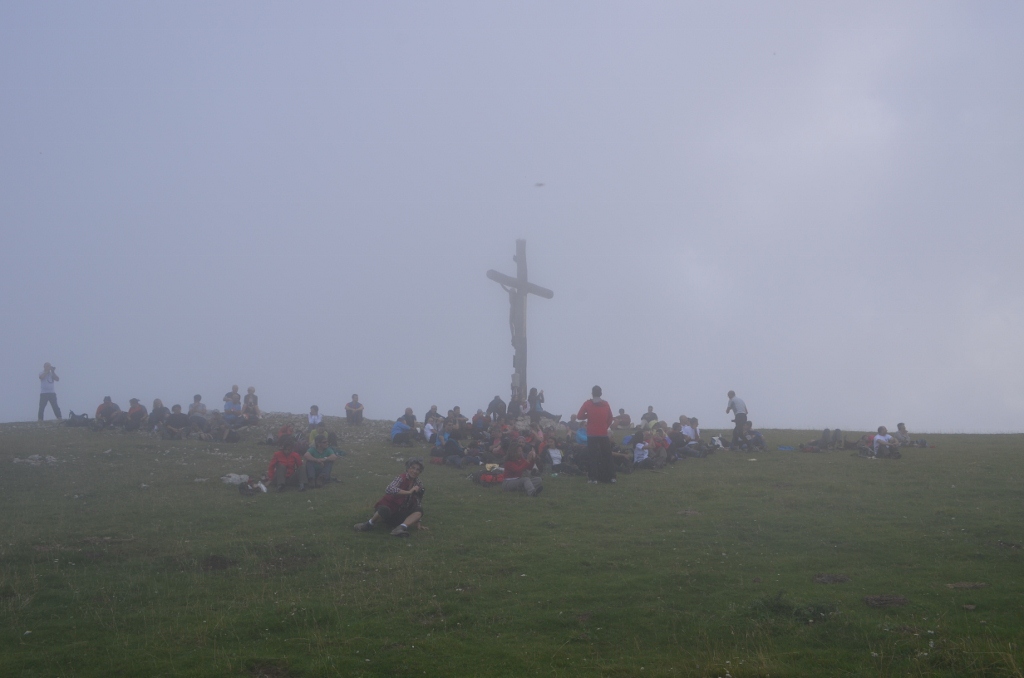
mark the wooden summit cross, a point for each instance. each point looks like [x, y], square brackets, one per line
[517, 289]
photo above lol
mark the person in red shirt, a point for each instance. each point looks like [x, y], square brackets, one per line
[598, 415]
[286, 465]
[401, 507]
[517, 471]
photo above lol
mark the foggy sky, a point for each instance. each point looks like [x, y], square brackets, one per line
[817, 205]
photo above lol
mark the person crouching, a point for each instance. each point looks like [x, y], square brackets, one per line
[401, 507]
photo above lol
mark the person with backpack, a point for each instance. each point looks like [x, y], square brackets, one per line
[401, 507]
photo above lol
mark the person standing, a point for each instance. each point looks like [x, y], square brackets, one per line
[47, 391]
[598, 415]
[739, 409]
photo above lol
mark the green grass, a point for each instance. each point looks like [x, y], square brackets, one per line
[702, 569]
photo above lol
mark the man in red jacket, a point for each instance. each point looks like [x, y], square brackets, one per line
[598, 415]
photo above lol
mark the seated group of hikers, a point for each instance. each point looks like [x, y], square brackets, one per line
[493, 438]
[303, 460]
[174, 424]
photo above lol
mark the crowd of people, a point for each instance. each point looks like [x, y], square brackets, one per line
[523, 440]
[512, 444]
[174, 423]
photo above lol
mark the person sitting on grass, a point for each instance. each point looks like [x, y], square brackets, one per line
[319, 460]
[314, 417]
[286, 466]
[621, 420]
[403, 433]
[755, 441]
[518, 470]
[884, 445]
[233, 410]
[137, 415]
[902, 436]
[197, 413]
[354, 410]
[251, 408]
[401, 507]
[218, 430]
[177, 425]
[157, 415]
[641, 443]
[319, 430]
[108, 414]
[649, 418]
[480, 421]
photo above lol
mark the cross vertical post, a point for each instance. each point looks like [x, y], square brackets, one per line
[518, 288]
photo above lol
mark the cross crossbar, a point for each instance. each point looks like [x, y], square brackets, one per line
[529, 288]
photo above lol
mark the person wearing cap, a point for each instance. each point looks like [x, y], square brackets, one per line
[108, 413]
[401, 507]
[137, 415]
[48, 391]
[354, 410]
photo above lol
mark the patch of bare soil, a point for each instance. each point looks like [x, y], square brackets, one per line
[966, 585]
[689, 512]
[826, 578]
[886, 600]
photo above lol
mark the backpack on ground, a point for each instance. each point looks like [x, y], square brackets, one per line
[76, 420]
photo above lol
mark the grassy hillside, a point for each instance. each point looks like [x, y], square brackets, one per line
[126, 556]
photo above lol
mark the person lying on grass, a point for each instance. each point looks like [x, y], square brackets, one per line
[286, 466]
[518, 470]
[318, 461]
[401, 507]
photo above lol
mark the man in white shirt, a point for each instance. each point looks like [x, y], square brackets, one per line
[739, 409]
[47, 390]
[885, 444]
